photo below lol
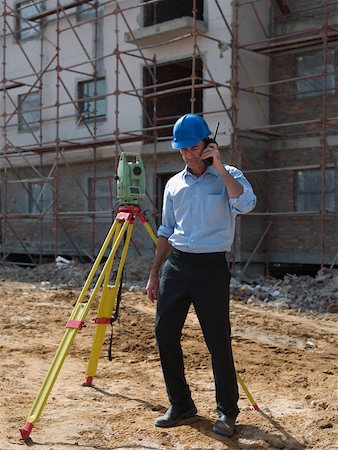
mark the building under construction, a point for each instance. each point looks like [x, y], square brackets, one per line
[84, 80]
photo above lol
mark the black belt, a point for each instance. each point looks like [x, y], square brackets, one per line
[199, 257]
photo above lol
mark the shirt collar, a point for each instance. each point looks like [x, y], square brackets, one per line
[186, 172]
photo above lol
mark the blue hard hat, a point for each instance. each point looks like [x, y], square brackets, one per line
[188, 131]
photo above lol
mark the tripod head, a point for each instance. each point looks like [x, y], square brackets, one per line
[130, 178]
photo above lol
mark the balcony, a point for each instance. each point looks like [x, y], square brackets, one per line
[164, 31]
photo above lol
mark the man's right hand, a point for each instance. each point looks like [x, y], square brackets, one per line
[152, 288]
[163, 250]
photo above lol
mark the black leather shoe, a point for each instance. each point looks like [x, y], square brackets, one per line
[225, 425]
[173, 416]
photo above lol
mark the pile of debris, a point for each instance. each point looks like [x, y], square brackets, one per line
[70, 275]
[64, 273]
[304, 293]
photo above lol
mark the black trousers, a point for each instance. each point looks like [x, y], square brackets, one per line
[203, 280]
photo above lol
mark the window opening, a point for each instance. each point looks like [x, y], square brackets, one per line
[309, 190]
[313, 63]
[159, 12]
[29, 111]
[28, 29]
[173, 104]
[92, 103]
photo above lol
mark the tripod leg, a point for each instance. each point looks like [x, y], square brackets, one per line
[105, 310]
[116, 226]
[247, 393]
[150, 232]
[40, 400]
[74, 324]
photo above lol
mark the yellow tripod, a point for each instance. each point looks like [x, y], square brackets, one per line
[122, 227]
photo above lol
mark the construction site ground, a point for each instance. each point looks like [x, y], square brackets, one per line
[286, 358]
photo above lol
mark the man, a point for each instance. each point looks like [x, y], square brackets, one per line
[200, 206]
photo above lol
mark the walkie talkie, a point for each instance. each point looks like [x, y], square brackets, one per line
[208, 161]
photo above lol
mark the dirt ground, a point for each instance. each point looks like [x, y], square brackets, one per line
[287, 360]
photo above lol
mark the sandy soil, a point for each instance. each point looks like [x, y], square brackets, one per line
[287, 360]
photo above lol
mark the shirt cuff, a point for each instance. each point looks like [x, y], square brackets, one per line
[244, 203]
[164, 231]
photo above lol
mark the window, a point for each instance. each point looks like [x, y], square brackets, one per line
[309, 190]
[101, 195]
[159, 12]
[40, 197]
[313, 63]
[89, 10]
[29, 111]
[172, 104]
[28, 29]
[91, 99]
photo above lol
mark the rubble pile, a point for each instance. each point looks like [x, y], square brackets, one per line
[304, 293]
[65, 273]
[70, 275]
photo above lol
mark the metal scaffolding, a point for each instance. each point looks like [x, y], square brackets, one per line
[323, 37]
[53, 220]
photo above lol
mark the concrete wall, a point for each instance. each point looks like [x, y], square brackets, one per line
[24, 62]
[253, 67]
[290, 239]
[73, 51]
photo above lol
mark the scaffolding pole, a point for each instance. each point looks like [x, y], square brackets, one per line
[39, 150]
[324, 35]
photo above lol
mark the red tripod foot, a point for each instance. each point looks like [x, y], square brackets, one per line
[25, 431]
[88, 382]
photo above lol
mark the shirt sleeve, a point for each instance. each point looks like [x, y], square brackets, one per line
[247, 200]
[166, 229]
